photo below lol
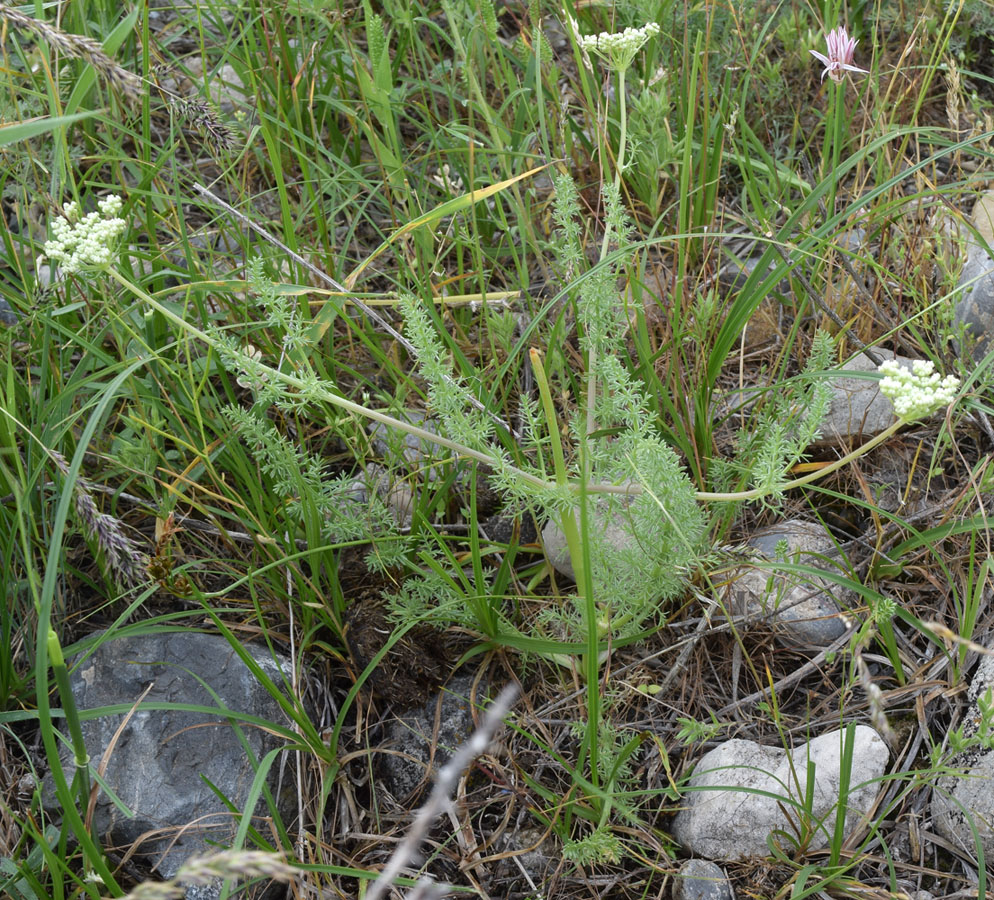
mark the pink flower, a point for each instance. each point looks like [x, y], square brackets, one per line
[839, 60]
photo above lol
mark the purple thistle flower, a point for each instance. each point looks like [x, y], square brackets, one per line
[841, 49]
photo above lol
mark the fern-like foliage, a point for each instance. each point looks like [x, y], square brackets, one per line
[642, 546]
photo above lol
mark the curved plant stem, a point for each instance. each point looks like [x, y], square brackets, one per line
[328, 396]
[755, 494]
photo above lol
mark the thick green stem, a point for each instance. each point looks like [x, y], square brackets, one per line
[80, 756]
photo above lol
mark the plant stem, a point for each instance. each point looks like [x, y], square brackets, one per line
[834, 126]
[569, 526]
[325, 394]
[322, 393]
[80, 756]
[756, 493]
[619, 168]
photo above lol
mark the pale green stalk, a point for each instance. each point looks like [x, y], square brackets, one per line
[325, 394]
[619, 168]
[80, 756]
[757, 493]
[328, 396]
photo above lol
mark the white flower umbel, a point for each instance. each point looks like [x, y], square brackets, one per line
[618, 49]
[918, 392]
[88, 242]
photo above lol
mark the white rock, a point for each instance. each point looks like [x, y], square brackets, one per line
[728, 815]
[613, 530]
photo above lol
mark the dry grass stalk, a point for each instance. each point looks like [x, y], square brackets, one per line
[197, 112]
[125, 560]
[77, 46]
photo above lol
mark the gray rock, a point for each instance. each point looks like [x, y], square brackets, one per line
[727, 815]
[391, 444]
[734, 275]
[186, 28]
[964, 802]
[504, 525]
[858, 410]
[974, 310]
[701, 879]
[227, 90]
[887, 476]
[418, 750]
[853, 240]
[8, 316]
[806, 608]
[396, 493]
[527, 851]
[162, 761]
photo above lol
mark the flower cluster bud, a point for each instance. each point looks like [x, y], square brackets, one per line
[918, 392]
[88, 242]
[618, 49]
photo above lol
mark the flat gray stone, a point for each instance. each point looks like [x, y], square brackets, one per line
[163, 759]
[805, 608]
[974, 310]
[701, 879]
[728, 816]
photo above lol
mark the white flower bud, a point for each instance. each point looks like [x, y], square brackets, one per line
[617, 49]
[918, 392]
[87, 243]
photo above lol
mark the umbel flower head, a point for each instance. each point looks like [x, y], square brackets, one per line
[918, 392]
[617, 49]
[840, 49]
[88, 242]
